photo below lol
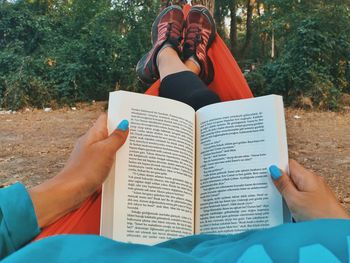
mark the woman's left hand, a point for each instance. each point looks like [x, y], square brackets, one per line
[307, 194]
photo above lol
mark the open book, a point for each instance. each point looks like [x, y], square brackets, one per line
[183, 172]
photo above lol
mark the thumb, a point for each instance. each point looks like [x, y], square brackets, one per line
[303, 179]
[283, 183]
[118, 137]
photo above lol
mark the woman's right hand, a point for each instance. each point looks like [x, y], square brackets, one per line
[307, 195]
[85, 171]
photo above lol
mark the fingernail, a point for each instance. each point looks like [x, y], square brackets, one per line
[275, 172]
[123, 125]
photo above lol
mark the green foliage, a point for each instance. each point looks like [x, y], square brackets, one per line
[69, 51]
[78, 50]
[313, 52]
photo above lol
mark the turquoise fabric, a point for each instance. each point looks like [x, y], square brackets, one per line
[313, 241]
[18, 223]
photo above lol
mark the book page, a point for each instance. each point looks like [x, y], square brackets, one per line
[236, 142]
[154, 170]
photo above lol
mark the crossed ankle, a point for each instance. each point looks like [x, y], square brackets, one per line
[195, 61]
[167, 47]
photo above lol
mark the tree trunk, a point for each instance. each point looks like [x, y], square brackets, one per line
[220, 19]
[233, 27]
[166, 3]
[249, 29]
[258, 5]
[210, 4]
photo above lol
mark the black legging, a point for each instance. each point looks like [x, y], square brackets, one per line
[187, 87]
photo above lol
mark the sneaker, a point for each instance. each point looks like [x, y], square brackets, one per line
[166, 29]
[199, 35]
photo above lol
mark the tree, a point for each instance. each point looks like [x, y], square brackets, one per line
[166, 3]
[233, 27]
[71, 51]
[313, 44]
[64, 51]
[249, 29]
[210, 4]
[241, 38]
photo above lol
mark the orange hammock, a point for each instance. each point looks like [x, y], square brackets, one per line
[229, 83]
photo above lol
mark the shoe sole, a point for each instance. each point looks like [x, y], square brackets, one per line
[154, 37]
[154, 31]
[206, 12]
[139, 70]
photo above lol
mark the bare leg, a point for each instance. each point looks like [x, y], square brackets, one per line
[192, 66]
[170, 63]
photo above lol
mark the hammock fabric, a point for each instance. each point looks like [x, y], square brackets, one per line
[229, 83]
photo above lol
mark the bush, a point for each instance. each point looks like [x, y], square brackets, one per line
[313, 44]
[70, 51]
[257, 82]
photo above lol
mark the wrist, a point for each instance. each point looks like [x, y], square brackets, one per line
[55, 198]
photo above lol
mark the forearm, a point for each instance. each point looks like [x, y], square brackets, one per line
[57, 197]
[85, 171]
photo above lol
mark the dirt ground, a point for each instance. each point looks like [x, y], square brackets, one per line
[35, 144]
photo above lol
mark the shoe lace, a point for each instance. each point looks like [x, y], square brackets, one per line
[193, 36]
[174, 31]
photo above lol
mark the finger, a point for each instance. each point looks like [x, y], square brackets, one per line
[283, 183]
[98, 131]
[303, 179]
[117, 137]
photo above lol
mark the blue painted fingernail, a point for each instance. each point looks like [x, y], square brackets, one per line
[275, 172]
[123, 125]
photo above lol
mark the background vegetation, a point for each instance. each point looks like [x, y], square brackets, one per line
[64, 51]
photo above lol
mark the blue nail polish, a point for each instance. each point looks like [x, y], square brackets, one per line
[123, 125]
[275, 172]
